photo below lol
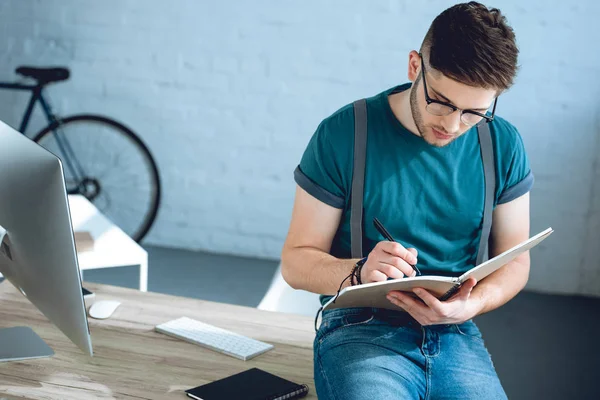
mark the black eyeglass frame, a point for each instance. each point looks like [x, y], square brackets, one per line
[429, 101]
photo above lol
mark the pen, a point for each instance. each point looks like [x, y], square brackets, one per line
[389, 237]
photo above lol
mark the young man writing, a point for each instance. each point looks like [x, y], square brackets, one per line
[424, 180]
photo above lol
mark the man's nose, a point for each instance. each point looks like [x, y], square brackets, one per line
[451, 123]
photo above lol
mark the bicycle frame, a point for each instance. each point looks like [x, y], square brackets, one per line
[36, 95]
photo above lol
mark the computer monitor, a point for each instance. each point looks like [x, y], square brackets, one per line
[37, 247]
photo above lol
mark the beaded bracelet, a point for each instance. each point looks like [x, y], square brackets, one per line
[356, 272]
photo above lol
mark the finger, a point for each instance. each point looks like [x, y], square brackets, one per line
[398, 263]
[398, 303]
[471, 281]
[390, 270]
[430, 300]
[395, 293]
[396, 249]
[417, 311]
[375, 276]
[405, 295]
[466, 288]
[397, 299]
[413, 251]
[408, 301]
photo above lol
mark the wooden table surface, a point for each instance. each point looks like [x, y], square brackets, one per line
[132, 361]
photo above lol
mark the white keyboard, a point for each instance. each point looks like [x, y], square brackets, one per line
[214, 338]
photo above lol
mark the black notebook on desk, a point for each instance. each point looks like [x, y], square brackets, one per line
[253, 384]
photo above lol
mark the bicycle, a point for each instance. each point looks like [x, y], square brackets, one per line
[90, 147]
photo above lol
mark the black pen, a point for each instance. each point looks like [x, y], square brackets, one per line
[389, 237]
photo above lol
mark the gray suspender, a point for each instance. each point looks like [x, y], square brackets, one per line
[358, 181]
[489, 173]
[358, 177]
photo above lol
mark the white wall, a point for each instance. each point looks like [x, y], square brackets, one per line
[227, 94]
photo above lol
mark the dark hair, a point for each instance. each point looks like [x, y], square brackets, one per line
[473, 45]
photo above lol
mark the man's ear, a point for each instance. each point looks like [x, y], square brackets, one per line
[414, 65]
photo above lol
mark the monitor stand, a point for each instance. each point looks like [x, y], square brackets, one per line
[22, 343]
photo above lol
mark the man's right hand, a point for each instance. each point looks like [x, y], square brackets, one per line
[388, 259]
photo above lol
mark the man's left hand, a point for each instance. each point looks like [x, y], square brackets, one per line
[459, 308]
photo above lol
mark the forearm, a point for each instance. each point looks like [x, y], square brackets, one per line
[314, 270]
[500, 287]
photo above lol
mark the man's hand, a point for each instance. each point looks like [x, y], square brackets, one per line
[459, 308]
[388, 259]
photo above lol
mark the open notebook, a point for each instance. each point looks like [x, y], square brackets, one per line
[374, 294]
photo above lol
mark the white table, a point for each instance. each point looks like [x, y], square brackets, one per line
[112, 246]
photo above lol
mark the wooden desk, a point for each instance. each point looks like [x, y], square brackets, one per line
[132, 361]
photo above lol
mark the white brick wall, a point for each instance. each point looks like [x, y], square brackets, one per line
[227, 94]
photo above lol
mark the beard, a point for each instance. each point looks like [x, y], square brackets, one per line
[425, 131]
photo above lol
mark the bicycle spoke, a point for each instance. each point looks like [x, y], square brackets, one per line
[120, 176]
[66, 149]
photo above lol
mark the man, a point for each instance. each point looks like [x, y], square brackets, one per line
[424, 180]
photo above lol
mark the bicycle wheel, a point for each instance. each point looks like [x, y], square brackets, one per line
[108, 164]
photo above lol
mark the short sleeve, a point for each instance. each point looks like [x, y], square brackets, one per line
[324, 169]
[517, 178]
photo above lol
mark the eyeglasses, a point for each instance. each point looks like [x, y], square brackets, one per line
[442, 109]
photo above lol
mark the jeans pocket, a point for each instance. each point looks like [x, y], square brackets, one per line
[343, 318]
[468, 329]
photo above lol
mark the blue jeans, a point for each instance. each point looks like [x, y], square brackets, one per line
[372, 354]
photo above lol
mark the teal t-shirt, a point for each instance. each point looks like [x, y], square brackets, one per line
[427, 197]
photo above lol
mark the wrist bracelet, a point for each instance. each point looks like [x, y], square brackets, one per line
[353, 281]
[357, 270]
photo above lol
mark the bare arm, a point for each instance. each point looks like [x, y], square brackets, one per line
[510, 226]
[305, 259]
